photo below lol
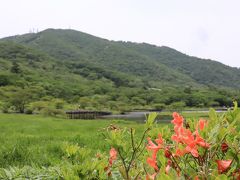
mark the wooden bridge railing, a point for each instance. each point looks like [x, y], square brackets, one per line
[86, 114]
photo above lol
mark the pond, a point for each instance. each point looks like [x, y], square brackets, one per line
[138, 116]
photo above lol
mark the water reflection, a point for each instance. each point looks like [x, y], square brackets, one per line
[138, 116]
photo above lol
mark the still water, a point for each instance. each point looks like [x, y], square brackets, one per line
[138, 116]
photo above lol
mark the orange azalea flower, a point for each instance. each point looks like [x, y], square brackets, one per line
[175, 138]
[181, 134]
[177, 119]
[202, 123]
[179, 152]
[159, 140]
[113, 156]
[192, 148]
[192, 144]
[200, 141]
[223, 165]
[185, 136]
[153, 163]
[152, 146]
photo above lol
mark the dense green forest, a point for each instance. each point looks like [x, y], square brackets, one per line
[55, 70]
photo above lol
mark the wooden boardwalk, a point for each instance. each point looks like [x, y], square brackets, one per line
[86, 114]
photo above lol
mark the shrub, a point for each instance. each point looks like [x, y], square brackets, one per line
[53, 112]
[39, 105]
[28, 111]
[207, 149]
[159, 107]
[5, 107]
[177, 106]
[213, 104]
[59, 103]
[203, 149]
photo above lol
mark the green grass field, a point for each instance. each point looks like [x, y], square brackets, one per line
[33, 139]
[38, 140]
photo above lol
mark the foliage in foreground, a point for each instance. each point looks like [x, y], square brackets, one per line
[207, 149]
[203, 150]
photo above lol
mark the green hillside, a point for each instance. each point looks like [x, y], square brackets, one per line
[161, 64]
[75, 69]
[203, 71]
[69, 45]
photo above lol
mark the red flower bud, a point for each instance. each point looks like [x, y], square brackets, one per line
[224, 147]
[236, 174]
[167, 153]
[223, 165]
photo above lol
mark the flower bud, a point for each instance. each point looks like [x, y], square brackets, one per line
[224, 147]
[167, 153]
[187, 125]
[223, 165]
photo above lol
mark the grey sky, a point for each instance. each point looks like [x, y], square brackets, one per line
[203, 28]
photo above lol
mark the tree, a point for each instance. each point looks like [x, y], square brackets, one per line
[159, 106]
[4, 80]
[177, 106]
[19, 98]
[15, 68]
[59, 103]
[84, 102]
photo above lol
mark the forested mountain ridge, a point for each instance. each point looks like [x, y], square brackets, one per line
[80, 48]
[96, 73]
[204, 71]
[163, 65]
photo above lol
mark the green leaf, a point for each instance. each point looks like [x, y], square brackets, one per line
[164, 176]
[221, 177]
[162, 160]
[123, 172]
[213, 116]
[235, 106]
[150, 119]
[235, 156]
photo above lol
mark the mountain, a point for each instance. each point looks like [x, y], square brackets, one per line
[162, 65]
[203, 71]
[70, 64]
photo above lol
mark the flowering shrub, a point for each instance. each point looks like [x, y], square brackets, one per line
[203, 149]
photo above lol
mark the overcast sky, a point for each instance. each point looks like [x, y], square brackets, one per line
[203, 28]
